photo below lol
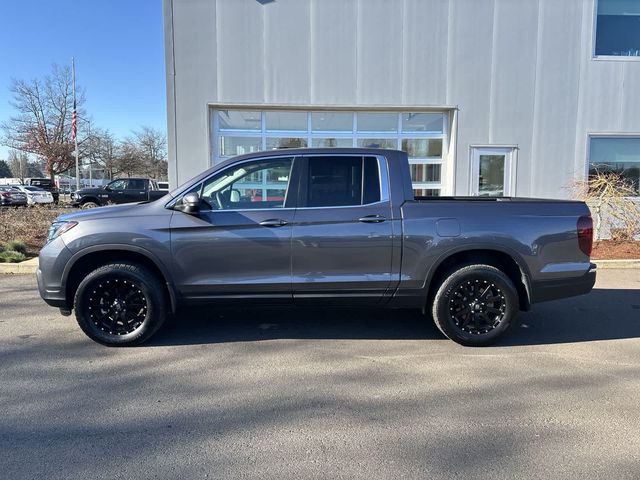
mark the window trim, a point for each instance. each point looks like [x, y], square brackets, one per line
[594, 33]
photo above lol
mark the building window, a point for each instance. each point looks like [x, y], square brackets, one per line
[620, 155]
[421, 134]
[618, 28]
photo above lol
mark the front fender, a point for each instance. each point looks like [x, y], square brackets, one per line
[119, 247]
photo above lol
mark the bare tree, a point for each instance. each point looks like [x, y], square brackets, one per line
[42, 123]
[18, 163]
[151, 145]
[608, 195]
[22, 166]
[102, 149]
[128, 160]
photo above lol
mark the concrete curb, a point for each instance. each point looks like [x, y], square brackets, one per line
[28, 267]
[617, 263]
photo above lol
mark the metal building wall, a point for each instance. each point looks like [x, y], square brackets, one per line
[519, 71]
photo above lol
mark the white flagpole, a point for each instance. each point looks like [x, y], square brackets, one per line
[75, 136]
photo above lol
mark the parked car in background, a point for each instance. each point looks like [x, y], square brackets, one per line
[11, 197]
[45, 184]
[333, 226]
[35, 194]
[122, 190]
[163, 186]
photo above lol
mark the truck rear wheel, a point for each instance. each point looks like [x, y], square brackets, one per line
[120, 304]
[475, 305]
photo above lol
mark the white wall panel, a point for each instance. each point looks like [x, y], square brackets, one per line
[425, 52]
[195, 82]
[469, 77]
[240, 42]
[287, 59]
[379, 56]
[333, 52]
[520, 71]
[513, 76]
[630, 102]
[556, 96]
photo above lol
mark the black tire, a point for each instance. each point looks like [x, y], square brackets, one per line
[101, 304]
[461, 314]
[89, 204]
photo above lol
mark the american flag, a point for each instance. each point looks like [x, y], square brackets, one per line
[74, 122]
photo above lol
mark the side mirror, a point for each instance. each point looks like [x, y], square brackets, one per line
[107, 188]
[190, 203]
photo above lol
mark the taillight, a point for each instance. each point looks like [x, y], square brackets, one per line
[585, 234]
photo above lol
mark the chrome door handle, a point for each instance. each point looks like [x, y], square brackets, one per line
[372, 219]
[273, 222]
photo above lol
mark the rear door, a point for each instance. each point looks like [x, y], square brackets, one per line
[342, 236]
[136, 190]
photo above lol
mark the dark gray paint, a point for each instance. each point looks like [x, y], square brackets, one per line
[327, 254]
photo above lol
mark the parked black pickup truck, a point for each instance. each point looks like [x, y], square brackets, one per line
[122, 190]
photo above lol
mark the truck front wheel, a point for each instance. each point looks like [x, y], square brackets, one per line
[89, 204]
[120, 304]
[475, 304]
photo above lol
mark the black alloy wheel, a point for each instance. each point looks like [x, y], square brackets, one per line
[475, 304]
[121, 304]
[117, 306]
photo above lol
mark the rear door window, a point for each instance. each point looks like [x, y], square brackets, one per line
[339, 181]
[136, 184]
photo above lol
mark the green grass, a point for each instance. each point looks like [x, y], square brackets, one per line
[17, 246]
[11, 256]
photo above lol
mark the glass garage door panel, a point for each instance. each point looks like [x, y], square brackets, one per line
[421, 134]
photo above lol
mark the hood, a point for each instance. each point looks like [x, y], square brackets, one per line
[124, 210]
[89, 191]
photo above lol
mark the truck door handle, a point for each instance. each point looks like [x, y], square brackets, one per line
[273, 222]
[372, 219]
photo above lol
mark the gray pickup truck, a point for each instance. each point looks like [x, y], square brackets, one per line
[315, 226]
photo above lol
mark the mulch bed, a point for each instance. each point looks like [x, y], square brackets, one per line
[616, 249]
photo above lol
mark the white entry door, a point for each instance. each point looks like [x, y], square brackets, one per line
[493, 171]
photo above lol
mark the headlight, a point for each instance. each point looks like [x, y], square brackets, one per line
[58, 228]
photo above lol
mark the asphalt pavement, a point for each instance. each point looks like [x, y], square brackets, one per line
[324, 394]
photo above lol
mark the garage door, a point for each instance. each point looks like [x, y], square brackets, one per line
[421, 134]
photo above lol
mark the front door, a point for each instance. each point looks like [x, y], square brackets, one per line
[239, 244]
[343, 234]
[492, 171]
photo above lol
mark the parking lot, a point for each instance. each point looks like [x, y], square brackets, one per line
[324, 394]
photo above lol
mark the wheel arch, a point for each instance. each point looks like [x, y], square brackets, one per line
[507, 262]
[95, 200]
[88, 259]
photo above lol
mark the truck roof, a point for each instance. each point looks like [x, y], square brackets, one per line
[286, 152]
[319, 151]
